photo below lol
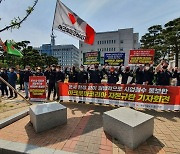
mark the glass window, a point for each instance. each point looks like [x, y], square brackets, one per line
[122, 41]
[121, 49]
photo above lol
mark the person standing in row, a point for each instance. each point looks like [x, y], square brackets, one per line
[82, 75]
[12, 78]
[95, 74]
[4, 75]
[52, 81]
[163, 74]
[60, 77]
[72, 74]
[113, 77]
[38, 72]
[27, 74]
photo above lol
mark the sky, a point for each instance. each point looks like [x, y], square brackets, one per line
[102, 15]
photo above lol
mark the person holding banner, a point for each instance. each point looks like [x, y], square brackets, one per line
[95, 74]
[125, 74]
[148, 75]
[163, 74]
[139, 75]
[60, 77]
[113, 77]
[52, 81]
[82, 76]
[72, 74]
[38, 72]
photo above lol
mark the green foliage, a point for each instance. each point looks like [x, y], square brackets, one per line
[17, 21]
[165, 40]
[30, 57]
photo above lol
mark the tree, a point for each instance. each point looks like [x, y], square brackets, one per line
[153, 40]
[17, 21]
[171, 35]
[165, 40]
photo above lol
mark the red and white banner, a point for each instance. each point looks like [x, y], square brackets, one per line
[141, 56]
[37, 88]
[68, 22]
[137, 96]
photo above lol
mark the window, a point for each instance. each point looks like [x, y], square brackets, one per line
[98, 42]
[114, 49]
[121, 49]
[81, 59]
[114, 41]
[81, 45]
[122, 41]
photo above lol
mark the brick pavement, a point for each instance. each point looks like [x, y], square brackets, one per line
[84, 134]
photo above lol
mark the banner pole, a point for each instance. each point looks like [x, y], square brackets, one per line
[14, 90]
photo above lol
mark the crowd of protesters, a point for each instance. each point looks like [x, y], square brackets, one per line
[142, 74]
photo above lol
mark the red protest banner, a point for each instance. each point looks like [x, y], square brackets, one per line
[141, 56]
[140, 96]
[37, 88]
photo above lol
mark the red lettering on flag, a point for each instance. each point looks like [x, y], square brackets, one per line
[72, 18]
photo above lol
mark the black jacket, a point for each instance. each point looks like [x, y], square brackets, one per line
[60, 76]
[163, 78]
[113, 77]
[52, 76]
[148, 77]
[177, 76]
[4, 76]
[39, 74]
[139, 76]
[82, 77]
[95, 76]
[27, 74]
[72, 76]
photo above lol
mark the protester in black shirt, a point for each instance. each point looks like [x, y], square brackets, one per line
[82, 75]
[52, 81]
[4, 75]
[95, 74]
[139, 75]
[125, 74]
[148, 75]
[60, 77]
[163, 75]
[72, 74]
[113, 77]
[38, 72]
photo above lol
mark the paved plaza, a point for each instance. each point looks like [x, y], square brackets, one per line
[84, 133]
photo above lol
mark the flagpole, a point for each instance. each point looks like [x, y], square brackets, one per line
[4, 81]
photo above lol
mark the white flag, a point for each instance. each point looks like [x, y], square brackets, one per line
[68, 22]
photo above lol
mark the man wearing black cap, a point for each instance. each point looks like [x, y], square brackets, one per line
[12, 78]
[52, 81]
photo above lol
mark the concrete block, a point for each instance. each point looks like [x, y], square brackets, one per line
[130, 127]
[47, 116]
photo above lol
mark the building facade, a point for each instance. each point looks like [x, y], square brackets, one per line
[122, 41]
[67, 55]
